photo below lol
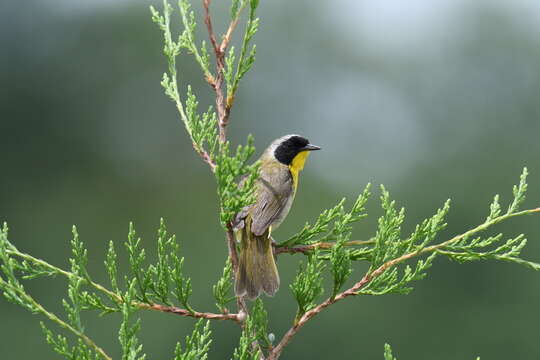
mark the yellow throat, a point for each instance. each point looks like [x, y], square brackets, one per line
[297, 165]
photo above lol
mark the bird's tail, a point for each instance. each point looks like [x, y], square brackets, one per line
[257, 270]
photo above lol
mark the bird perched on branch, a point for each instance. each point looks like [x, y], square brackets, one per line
[276, 186]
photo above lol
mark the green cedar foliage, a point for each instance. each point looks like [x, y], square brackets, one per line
[162, 283]
[394, 259]
[223, 289]
[307, 285]
[388, 353]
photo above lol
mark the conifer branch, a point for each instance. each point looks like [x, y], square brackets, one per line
[195, 314]
[51, 270]
[208, 22]
[170, 80]
[235, 14]
[371, 275]
[244, 62]
[223, 111]
[307, 249]
[326, 243]
[224, 72]
[210, 144]
[218, 83]
[54, 270]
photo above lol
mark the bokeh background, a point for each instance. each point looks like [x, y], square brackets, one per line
[434, 99]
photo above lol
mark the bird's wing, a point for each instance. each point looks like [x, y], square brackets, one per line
[239, 220]
[273, 191]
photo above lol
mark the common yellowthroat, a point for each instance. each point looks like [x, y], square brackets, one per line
[276, 186]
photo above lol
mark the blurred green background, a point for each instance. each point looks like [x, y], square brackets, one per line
[435, 99]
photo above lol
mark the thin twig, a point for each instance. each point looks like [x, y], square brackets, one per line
[218, 83]
[275, 353]
[85, 338]
[184, 312]
[119, 300]
[243, 51]
[174, 81]
[206, 158]
[186, 22]
[15, 252]
[230, 30]
[306, 249]
[208, 22]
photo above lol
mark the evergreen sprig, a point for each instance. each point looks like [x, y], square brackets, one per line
[158, 282]
[229, 168]
[112, 267]
[233, 194]
[389, 245]
[247, 350]
[461, 248]
[245, 61]
[336, 216]
[137, 257]
[197, 345]
[309, 232]
[14, 291]
[260, 323]
[223, 289]
[307, 285]
[60, 345]
[388, 353]
[341, 264]
[127, 335]
[494, 247]
[187, 38]
[518, 192]
[390, 281]
[340, 256]
[203, 130]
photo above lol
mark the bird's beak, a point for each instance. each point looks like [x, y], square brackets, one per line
[310, 147]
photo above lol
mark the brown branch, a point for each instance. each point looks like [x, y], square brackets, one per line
[206, 158]
[119, 300]
[218, 81]
[223, 119]
[275, 353]
[222, 50]
[194, 314]
[306, 249]
[230, 30]
[208, 22]
[223, 105]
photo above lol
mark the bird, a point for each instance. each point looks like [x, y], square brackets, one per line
[275, 189]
